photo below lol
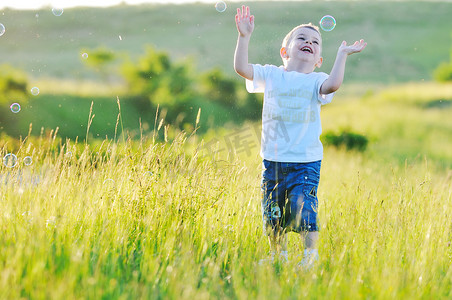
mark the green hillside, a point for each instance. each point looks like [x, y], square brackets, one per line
[406, 40]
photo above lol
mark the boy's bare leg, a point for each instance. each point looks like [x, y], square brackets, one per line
[310, 249]
[278, 241]
[278, 245]
[310, 239]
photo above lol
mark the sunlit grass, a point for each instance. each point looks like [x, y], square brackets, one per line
[148, 220]
[404, 121]
[122, 218]
[80, 87]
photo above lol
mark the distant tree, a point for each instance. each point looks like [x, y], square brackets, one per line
[220, 89]
[98, 59]
[216, 86]
[252, 108]
[443, 72]
[158, 81]
[144, 76]
[346, 138]
[13, 84]
[13, 89]
[155, 80]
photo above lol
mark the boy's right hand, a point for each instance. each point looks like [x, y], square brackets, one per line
[244, 21]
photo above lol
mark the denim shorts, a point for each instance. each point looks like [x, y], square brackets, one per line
[289, 195]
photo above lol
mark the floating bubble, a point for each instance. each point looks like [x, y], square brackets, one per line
[147, 175]
[10, 160]
[109, 184]
[109, 181]
[57, 11]
[229, 228]
[15, 108]
[2, 29]
[327, 23]
[34, 91]
[220, 6]
[85, 55]
[28, 160]
[27, 215]
[51, 222]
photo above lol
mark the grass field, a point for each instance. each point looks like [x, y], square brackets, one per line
[141, 219]
[157, 213]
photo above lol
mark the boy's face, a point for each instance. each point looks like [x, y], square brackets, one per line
[305, 45]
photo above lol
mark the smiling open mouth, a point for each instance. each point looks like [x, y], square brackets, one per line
[306, 49]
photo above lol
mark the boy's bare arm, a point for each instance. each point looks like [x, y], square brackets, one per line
[336, 77]
[245, 27]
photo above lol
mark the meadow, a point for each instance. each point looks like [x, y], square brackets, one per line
[176, 220]
[49, 50]
[160, 213]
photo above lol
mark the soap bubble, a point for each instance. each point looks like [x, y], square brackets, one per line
[2, 29]
[327, 23]
[109, 181]
[85, 55]
[35, 91]
[28, 160]
[51, 223]
[220, 6]
[57, 11]
[10, 160]
[15, 108]
[147, 175]
[28, 216]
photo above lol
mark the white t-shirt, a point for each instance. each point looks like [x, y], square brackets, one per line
[291, 125]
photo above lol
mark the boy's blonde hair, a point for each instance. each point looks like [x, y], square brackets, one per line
[287, 38]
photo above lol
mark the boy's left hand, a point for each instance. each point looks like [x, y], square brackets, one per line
[356, 47]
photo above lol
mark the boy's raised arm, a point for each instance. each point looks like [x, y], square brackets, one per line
[336, 77]
[245, 27]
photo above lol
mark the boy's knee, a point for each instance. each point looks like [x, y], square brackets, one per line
[306, 218]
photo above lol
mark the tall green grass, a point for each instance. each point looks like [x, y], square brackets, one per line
[149, 219]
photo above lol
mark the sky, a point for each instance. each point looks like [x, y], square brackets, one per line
[35, 4]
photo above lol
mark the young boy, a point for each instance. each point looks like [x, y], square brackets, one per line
[290, 146]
